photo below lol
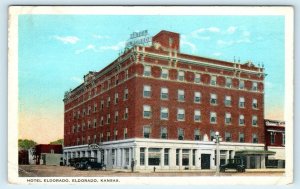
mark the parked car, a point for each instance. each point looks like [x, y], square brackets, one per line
[236, 163]
[90, 163]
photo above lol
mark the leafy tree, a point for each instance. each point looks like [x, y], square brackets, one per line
[59, 141]
[26, 144]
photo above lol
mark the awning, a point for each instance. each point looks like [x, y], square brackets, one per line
[255, 152]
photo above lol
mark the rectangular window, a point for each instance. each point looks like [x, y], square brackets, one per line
[164, 113]
[241, 137]
[116, 116]
[197, 78]
[108, 119]
[83, 127]
[89, 124]
[242, 84]
[115, 134]
[213, 99]
[197, 116]
[227, 101]
[95, 123]
[116, 98]
[181, 95]
[89, 110]
[180, 114]
[108, 102]
[242, 102]
[147, 91]
[180, 134]
[254, 138]
[147, 71]
[241, 120]
[142, 156]
[102, 104]
[272, 137]
[126, 74]
[126, 114]
[180, 76]
[254, 120]
[108, 136]
[125, 94]
[228, 82]
[125, 133]
[83, 111]
[197, 134]
[177, 157]
[254, 86]
[95, 107]
[213, 80]
[166, 156]
[283, 139]
[165, 73]
[213, 117]
[101, 121]
[227, 137]
[227, 118]
[164, 93]
[147, 111]
[101, 137]
[197, 97]
[146, 131]
[164, 133]
[254, 103]
[212, 135]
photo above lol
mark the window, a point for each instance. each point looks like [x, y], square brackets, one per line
[116, 116]
[212, 135]
[227, 101]
[164, 113]
[180, 95]
[197, 97]
[95, 107]
[147, 91]
[164, 133]
[254, 120]
[108, 119]
[108, 102]
[83, 127]
[213, 117]
[142, 156]
[166, 156]
[147, 71]
[180, 114]
[125, 133]
[254, 86]
[283, 139]
[254, 103]
[89, 110]
[213, 99]
[241, 120]
[78, 128]
[116, 98]
[254, 138]
[164, 93]
[101, 121]
[227, 118]
[242, 84]
[272, 137]
[83, 112]
[228, 82]
[101, 137]
[197, 134]
[108, 136]
[180, 76]
[241, 137]
[95, 123]
[89, 140]
[197, 116]
[197, 78]
[89, 124]
[164, 73]
[177, 157]
[242, 102]
[102, 104]
[117, 80]
[125, 94]
[115, 134]
[180, 134]
[213, 80]
[108, 84]
[147, 111]
[146, 131]
[227, 137]
[126, 74]
[126, 113]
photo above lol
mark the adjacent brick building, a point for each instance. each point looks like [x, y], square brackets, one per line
[161, 107]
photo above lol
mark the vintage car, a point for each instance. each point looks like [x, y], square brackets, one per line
[236, 163]
[89, 163]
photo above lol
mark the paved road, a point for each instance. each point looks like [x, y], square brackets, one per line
[64, 171]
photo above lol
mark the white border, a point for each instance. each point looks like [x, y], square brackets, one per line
[161, 10]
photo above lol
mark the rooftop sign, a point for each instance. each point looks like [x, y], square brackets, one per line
[138, 38]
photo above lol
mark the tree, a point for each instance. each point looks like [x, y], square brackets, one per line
[26, 144]
[59, 141]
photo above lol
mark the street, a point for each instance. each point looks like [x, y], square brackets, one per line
[64, 171]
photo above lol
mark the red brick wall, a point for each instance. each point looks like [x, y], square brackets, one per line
[163, 39]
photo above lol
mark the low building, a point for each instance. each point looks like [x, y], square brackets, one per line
[48, 154]
[275, 141]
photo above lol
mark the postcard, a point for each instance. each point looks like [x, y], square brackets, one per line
[136, 94]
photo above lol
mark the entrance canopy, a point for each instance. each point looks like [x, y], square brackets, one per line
[255, 152]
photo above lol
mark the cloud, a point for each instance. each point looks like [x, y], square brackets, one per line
[225, 43]
[184, 41]
[77, 79]
[199, 32]
[67, 39]
[231, 30]
[89, 47]
[116, 47]
[217, 54]
[101, 36]
[93, 48]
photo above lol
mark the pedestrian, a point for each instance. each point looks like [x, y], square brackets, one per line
[132, 165]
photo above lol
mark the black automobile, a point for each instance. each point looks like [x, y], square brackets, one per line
[236, 163]
[89, 163]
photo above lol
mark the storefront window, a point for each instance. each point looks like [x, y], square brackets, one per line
[154, 156]
[185, 157]
[142, 156]
[166, 157]
[177, 157]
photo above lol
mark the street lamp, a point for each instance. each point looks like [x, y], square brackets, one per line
[217, 140]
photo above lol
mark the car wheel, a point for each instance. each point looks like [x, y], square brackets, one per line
[222, 170]
[89, 167]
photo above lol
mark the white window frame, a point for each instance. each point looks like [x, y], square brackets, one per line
[228, 82]
[197, 78]
[213, 80]
[228, 118]
[163, 111]
[146, 90]
[241, 117]
[181, 75]
[241, 84]
[147, 71]
[241, 101]
[147, 108]
[254, 120]
[213, 115]
[164, 73]
[254, 103]
[180, 93]
[228, 101]
[180, 111]
[197, 95]
[125, 94]
[197, 115]
[164, 91]
[213, 99]
[254, 86]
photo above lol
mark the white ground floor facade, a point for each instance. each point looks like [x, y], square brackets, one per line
[164, 154]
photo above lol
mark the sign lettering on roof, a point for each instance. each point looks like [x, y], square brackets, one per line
[138, 38]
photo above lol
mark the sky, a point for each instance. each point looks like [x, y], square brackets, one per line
[55, 51]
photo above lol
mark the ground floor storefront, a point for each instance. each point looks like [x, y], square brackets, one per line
[155, 154]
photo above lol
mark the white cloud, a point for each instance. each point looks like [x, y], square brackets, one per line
[101, 36]
[77, 79]
[67, 39]
[89, 47]
[225, 43]
[184, 41]
[116, 47]
[199, 32]
[217, 54]
[213, 29]
[231, 30]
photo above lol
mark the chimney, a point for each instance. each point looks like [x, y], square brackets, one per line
[167, 39]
